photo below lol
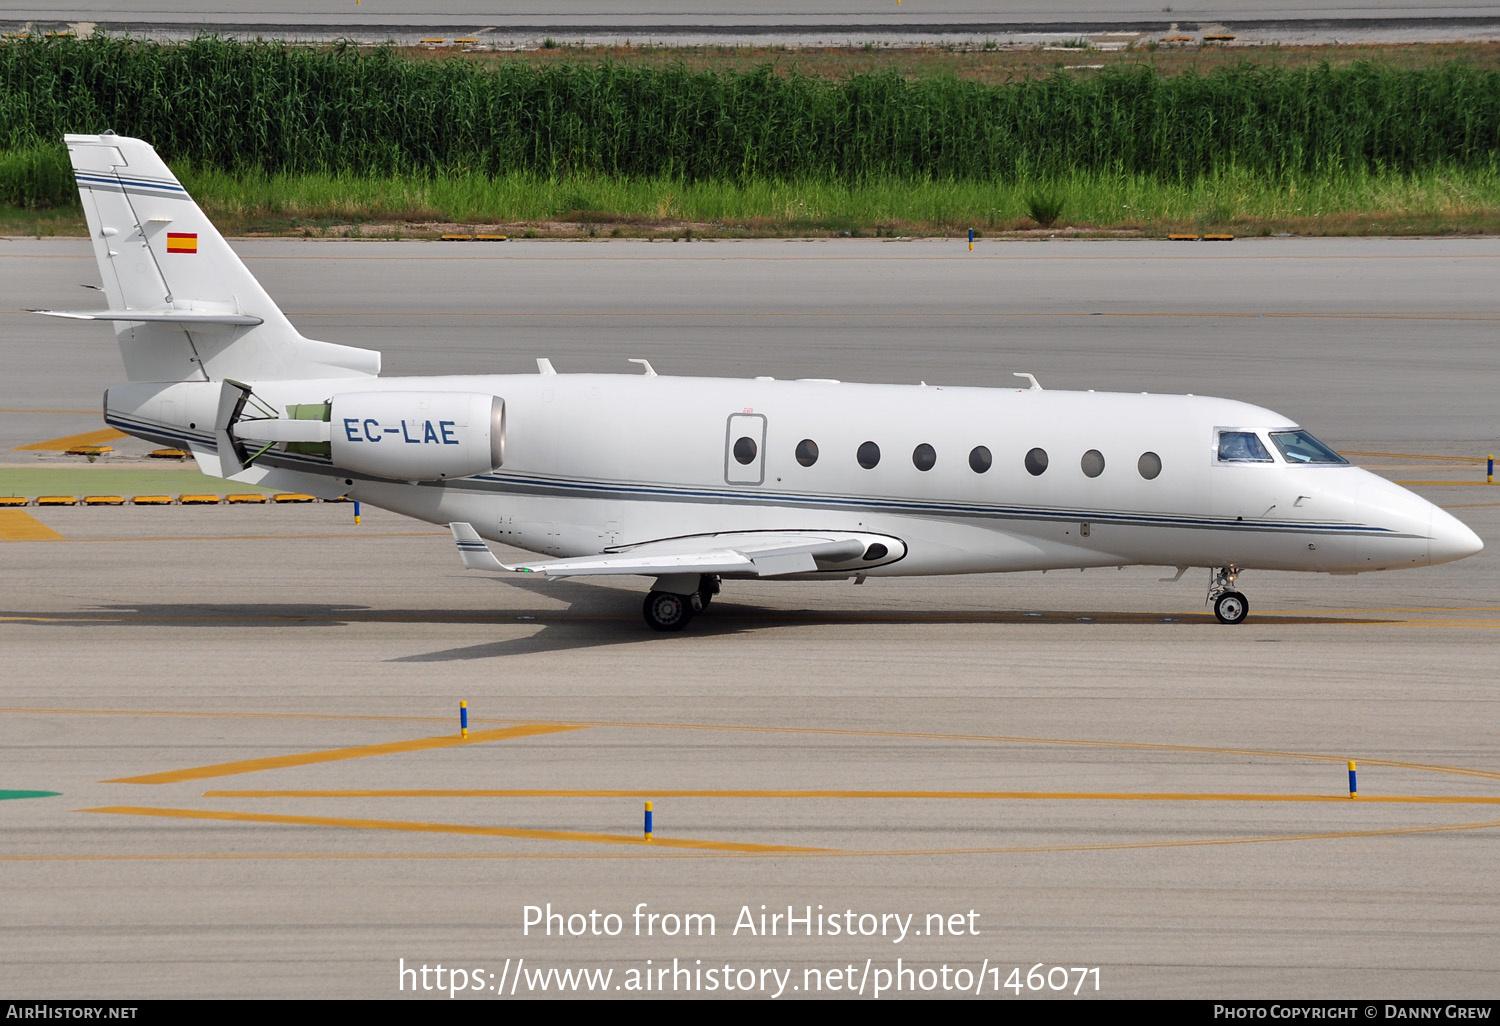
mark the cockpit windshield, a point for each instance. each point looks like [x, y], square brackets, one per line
[1301, 447]
[1242, 447]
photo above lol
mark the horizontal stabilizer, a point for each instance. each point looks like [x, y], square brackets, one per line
[154, 316]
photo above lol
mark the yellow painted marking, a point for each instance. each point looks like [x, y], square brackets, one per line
[1415, 456]
[658, 849]
[827, 731]
[18, 525]
[227, 769]
[73, 441]
[104, 500]
[1088, 796]
[451, 828]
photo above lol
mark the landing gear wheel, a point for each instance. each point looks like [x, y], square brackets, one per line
[1231, 607]
[667, 612]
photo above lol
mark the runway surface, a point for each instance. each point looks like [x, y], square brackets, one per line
[243, 722]
[828, 22]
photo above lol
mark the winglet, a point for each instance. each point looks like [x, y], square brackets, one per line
[472, 549]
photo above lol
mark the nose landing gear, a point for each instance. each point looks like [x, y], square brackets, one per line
[1229, 605]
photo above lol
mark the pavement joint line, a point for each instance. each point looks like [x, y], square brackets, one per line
[18, 409]
[740, 315]
[792, 617]
[226, 769]
[455, 828]
[1113, 796]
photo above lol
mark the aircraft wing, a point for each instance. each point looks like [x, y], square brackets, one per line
[745, 553]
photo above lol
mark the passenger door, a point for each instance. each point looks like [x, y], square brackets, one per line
[745, 449]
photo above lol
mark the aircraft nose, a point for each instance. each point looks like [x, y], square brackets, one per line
[1450, 538]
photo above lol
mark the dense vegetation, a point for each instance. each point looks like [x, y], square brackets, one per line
[278, 108]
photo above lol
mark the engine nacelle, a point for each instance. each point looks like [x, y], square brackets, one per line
[418, 436]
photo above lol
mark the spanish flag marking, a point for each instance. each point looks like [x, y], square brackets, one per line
[182, 242]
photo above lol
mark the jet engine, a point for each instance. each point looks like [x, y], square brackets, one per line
[418, 436]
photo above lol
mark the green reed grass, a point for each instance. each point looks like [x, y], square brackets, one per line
[278, 108]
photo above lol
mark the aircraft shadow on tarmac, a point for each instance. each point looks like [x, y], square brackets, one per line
[596, 615]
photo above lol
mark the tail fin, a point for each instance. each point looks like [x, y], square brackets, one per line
[185, 307]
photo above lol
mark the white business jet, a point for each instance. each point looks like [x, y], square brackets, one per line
[692, 481]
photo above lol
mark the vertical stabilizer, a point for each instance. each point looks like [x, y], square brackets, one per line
[202, 315]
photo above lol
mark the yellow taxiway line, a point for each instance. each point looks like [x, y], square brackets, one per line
[771, 729]
[70, 441]
[18, 525]
[227, 769]
[453, 828]
[647, 792]
[677, 848]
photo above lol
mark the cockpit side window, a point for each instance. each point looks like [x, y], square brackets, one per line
[1242, 447]
[1301, 447]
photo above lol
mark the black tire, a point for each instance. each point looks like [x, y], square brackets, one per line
[1231, 607]
[666, 612]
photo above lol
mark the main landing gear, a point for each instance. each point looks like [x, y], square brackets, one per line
[1229, 605]
[670, 610]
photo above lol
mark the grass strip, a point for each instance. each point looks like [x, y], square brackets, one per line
[80, 481]
[1437, 201]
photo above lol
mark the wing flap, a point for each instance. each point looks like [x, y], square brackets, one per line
[749, 554]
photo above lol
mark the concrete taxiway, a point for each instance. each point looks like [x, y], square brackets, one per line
[244, 720]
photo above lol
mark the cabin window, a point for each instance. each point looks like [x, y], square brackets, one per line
[1242, 447]
[1301, 447]
[868, 455]
[1149, 465]
[979, 459]
[807, 452]
[745, 450]
[924, 457]
[1092, 463]
[1036, 462]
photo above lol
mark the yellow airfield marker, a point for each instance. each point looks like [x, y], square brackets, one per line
[229, 769]
[17, 525]
[454, 828]
[73, 441]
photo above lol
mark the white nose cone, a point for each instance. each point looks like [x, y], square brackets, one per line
[1450, 538]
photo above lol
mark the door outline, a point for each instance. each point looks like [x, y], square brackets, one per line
[736, 427]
